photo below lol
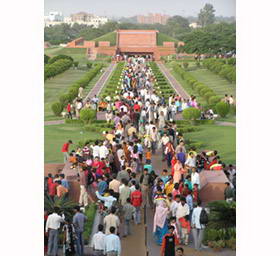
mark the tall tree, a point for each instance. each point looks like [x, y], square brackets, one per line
[206, 15]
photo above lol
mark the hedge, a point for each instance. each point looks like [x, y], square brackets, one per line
[60, 57]
[222, 108]
[218, 66]
[56, 68]
[57, 108]
[87, 115]
[191, 113]
[74, 88]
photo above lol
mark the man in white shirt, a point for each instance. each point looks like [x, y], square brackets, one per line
[103, 151]
[197, 228]
[164, 140]
[98, 242]
[95, 149]
[191, 161]
[52, 227]
[195, 177]
[174, 205]
[112, 243]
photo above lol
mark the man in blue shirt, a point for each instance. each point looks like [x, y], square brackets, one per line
[102, 185]
[112, 244]
[64, 182]
[79, 220]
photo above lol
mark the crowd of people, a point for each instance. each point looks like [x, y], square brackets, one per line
[119, 170]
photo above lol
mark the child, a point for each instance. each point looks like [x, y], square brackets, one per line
[149, 156]
[173, 223]
[185, 229]
[168, 243]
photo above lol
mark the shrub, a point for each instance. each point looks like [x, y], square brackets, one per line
[46, 59]
[222, 108]
[89, 65]
[207, 95]
[65, 99]
[185, 65]
[60, 57]
[87, 115]
[76, 64]
[56, 68]
[191, 113]
[214, 99]
[57, 108]
[205, 90]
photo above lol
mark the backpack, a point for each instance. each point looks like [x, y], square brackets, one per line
[203, 218]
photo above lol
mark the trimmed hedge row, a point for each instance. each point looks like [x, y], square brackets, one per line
[161, 85]
[73, 90]
[204, 91]
[217, 66]
[59, 57]
[115, 78]
[56, 68]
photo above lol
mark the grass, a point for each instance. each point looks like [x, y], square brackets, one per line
[57, 135]
[111, 37]
[220, 85]
[220, 138]
[78, 54]
[60, 84]
[165, 38]
[187, 88]
[57, 86]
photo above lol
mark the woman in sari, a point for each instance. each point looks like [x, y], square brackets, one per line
[160, 221]
[178, 172]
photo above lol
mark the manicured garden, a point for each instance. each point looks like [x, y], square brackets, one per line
[214, 137]
[57, 86]
[57, 135]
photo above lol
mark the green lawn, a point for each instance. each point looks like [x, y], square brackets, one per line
[165, 38]
[111, 37]
[78, 54]
[220, 85]
[220, 138]
[56, 135]
[56, 86]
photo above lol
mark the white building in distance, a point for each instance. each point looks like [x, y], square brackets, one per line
[194, 25]
[82, 18]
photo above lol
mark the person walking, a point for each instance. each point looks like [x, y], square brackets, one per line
[128, 213]
[136, 201]
[169, 242]
[111, 220]
[99, 242]
[79, 220]
[65, 149]
[52, 227]
[112, 243]
[68, 238]
[197, 227]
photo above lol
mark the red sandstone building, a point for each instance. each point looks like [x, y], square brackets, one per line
[128, 42]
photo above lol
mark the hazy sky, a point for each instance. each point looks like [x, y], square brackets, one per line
[128, 8]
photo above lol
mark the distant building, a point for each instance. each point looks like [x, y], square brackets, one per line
[194, 25]
[153, 18]
[81, 18]
[55, 16]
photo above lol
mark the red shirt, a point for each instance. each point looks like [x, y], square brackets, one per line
[65, 147]
[68, 108]
[136, 198]
[52, 189]
[136, 107]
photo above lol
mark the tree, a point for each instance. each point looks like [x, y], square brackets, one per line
[177, 25]
[206, 15]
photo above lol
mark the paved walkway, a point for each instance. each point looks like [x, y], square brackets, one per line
[96, 89]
